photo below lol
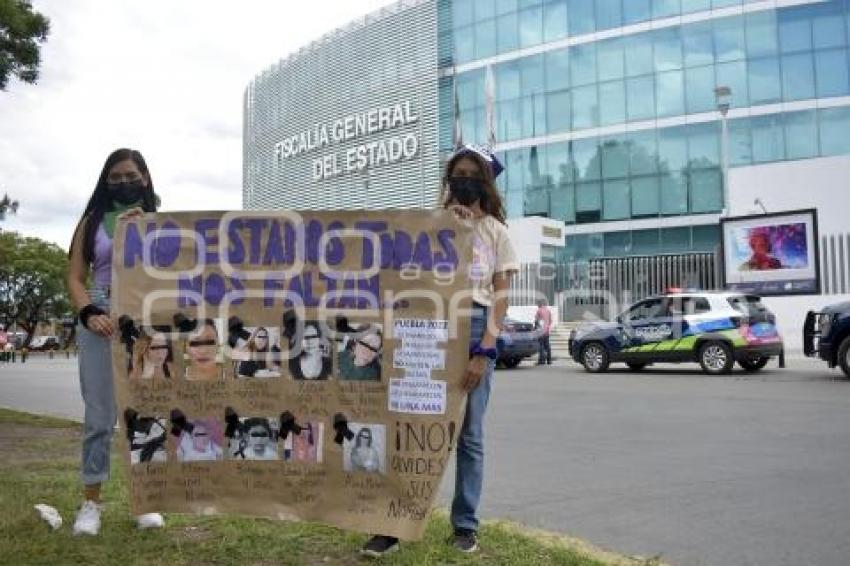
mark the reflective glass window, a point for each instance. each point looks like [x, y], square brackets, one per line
[798, 76]
[640, 98]
[725, 3]
[558, 159]
[740, 142]
[690, 6]
[530, 27]
[507, 27]
[768, 138]
[734, 75]
[828, 26]
[831, 72]
[674, 194]
[469, 86]
[668, 49]
[509, 120]
[616, 201]
[617, 244]
[698, 42]
[646, 242]
[585, 156]
[464, 44]
[534, 115]
[610, 60]
[505, 6]
[609, 14]
[645, 195]
[795, 30]
[765, 85]
[636, 11]
[585, 107]
[582, 18]
[557, 65]
[699, 89]
[558, 111]
[507, 79]
[729, 39]
[834, 125]
[705, 238]
[515, 167]
[801, 134]
[612, 103]
[639, 59]
[583, 64]
[462, 12]
[665, 8]
[531, 74]
[706, 190]
[675, 240]
[563, 204]
[615, 158]
[761, 34]
[703, 145]
[485, 39]
[554, 20]
[669, 94]
[643, 159]
[673, 149]
[484, 9]
[588, 202]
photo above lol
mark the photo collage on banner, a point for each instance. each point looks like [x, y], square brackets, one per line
[260, 385]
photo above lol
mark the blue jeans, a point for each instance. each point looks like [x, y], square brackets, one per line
[469, 473]
[95, 360]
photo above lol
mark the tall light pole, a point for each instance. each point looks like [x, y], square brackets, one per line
[723, 96]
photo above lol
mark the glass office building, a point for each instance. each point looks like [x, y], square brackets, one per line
[603, 111]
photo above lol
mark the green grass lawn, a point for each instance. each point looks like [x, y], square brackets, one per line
[39, 464]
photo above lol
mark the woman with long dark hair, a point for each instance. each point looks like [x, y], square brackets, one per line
[124, 189]
[470, 191]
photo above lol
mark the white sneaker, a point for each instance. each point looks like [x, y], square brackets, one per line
[88, 519]
[150, 521]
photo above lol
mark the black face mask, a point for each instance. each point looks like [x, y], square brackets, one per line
[466, 190]
[126, 193]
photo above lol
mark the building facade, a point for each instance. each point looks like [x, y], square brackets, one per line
[603, 111]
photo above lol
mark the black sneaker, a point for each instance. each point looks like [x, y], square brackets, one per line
[379, 545]
[466, 540]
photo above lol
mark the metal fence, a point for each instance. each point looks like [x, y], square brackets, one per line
[602, 287]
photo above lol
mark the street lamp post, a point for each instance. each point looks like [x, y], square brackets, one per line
[723, 96]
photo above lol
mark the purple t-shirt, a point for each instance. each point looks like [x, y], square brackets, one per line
[102, 262]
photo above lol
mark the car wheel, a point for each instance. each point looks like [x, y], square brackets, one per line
[636, 366]
[595, 358]
[844, 356]
[716, 358]
[511, 363]
[754, 364]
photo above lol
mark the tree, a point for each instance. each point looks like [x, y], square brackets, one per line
[32, 281]
[21, 30]
[7, 205]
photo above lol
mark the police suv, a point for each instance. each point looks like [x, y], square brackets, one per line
[714, 329]
[826, 334]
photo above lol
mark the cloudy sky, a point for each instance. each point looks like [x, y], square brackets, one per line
[162, 76]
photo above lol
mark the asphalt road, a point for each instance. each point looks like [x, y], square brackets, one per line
[737, 470]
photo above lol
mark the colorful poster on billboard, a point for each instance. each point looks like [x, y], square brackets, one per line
[772, 254]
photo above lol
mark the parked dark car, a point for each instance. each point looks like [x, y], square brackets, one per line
[517, 341]
[826, 335]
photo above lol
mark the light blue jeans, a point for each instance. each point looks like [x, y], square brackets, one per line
[469, 473]
[95, 359]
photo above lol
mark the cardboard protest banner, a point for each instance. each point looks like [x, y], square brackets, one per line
[295, 365]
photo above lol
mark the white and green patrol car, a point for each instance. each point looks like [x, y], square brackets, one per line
[714, 329]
